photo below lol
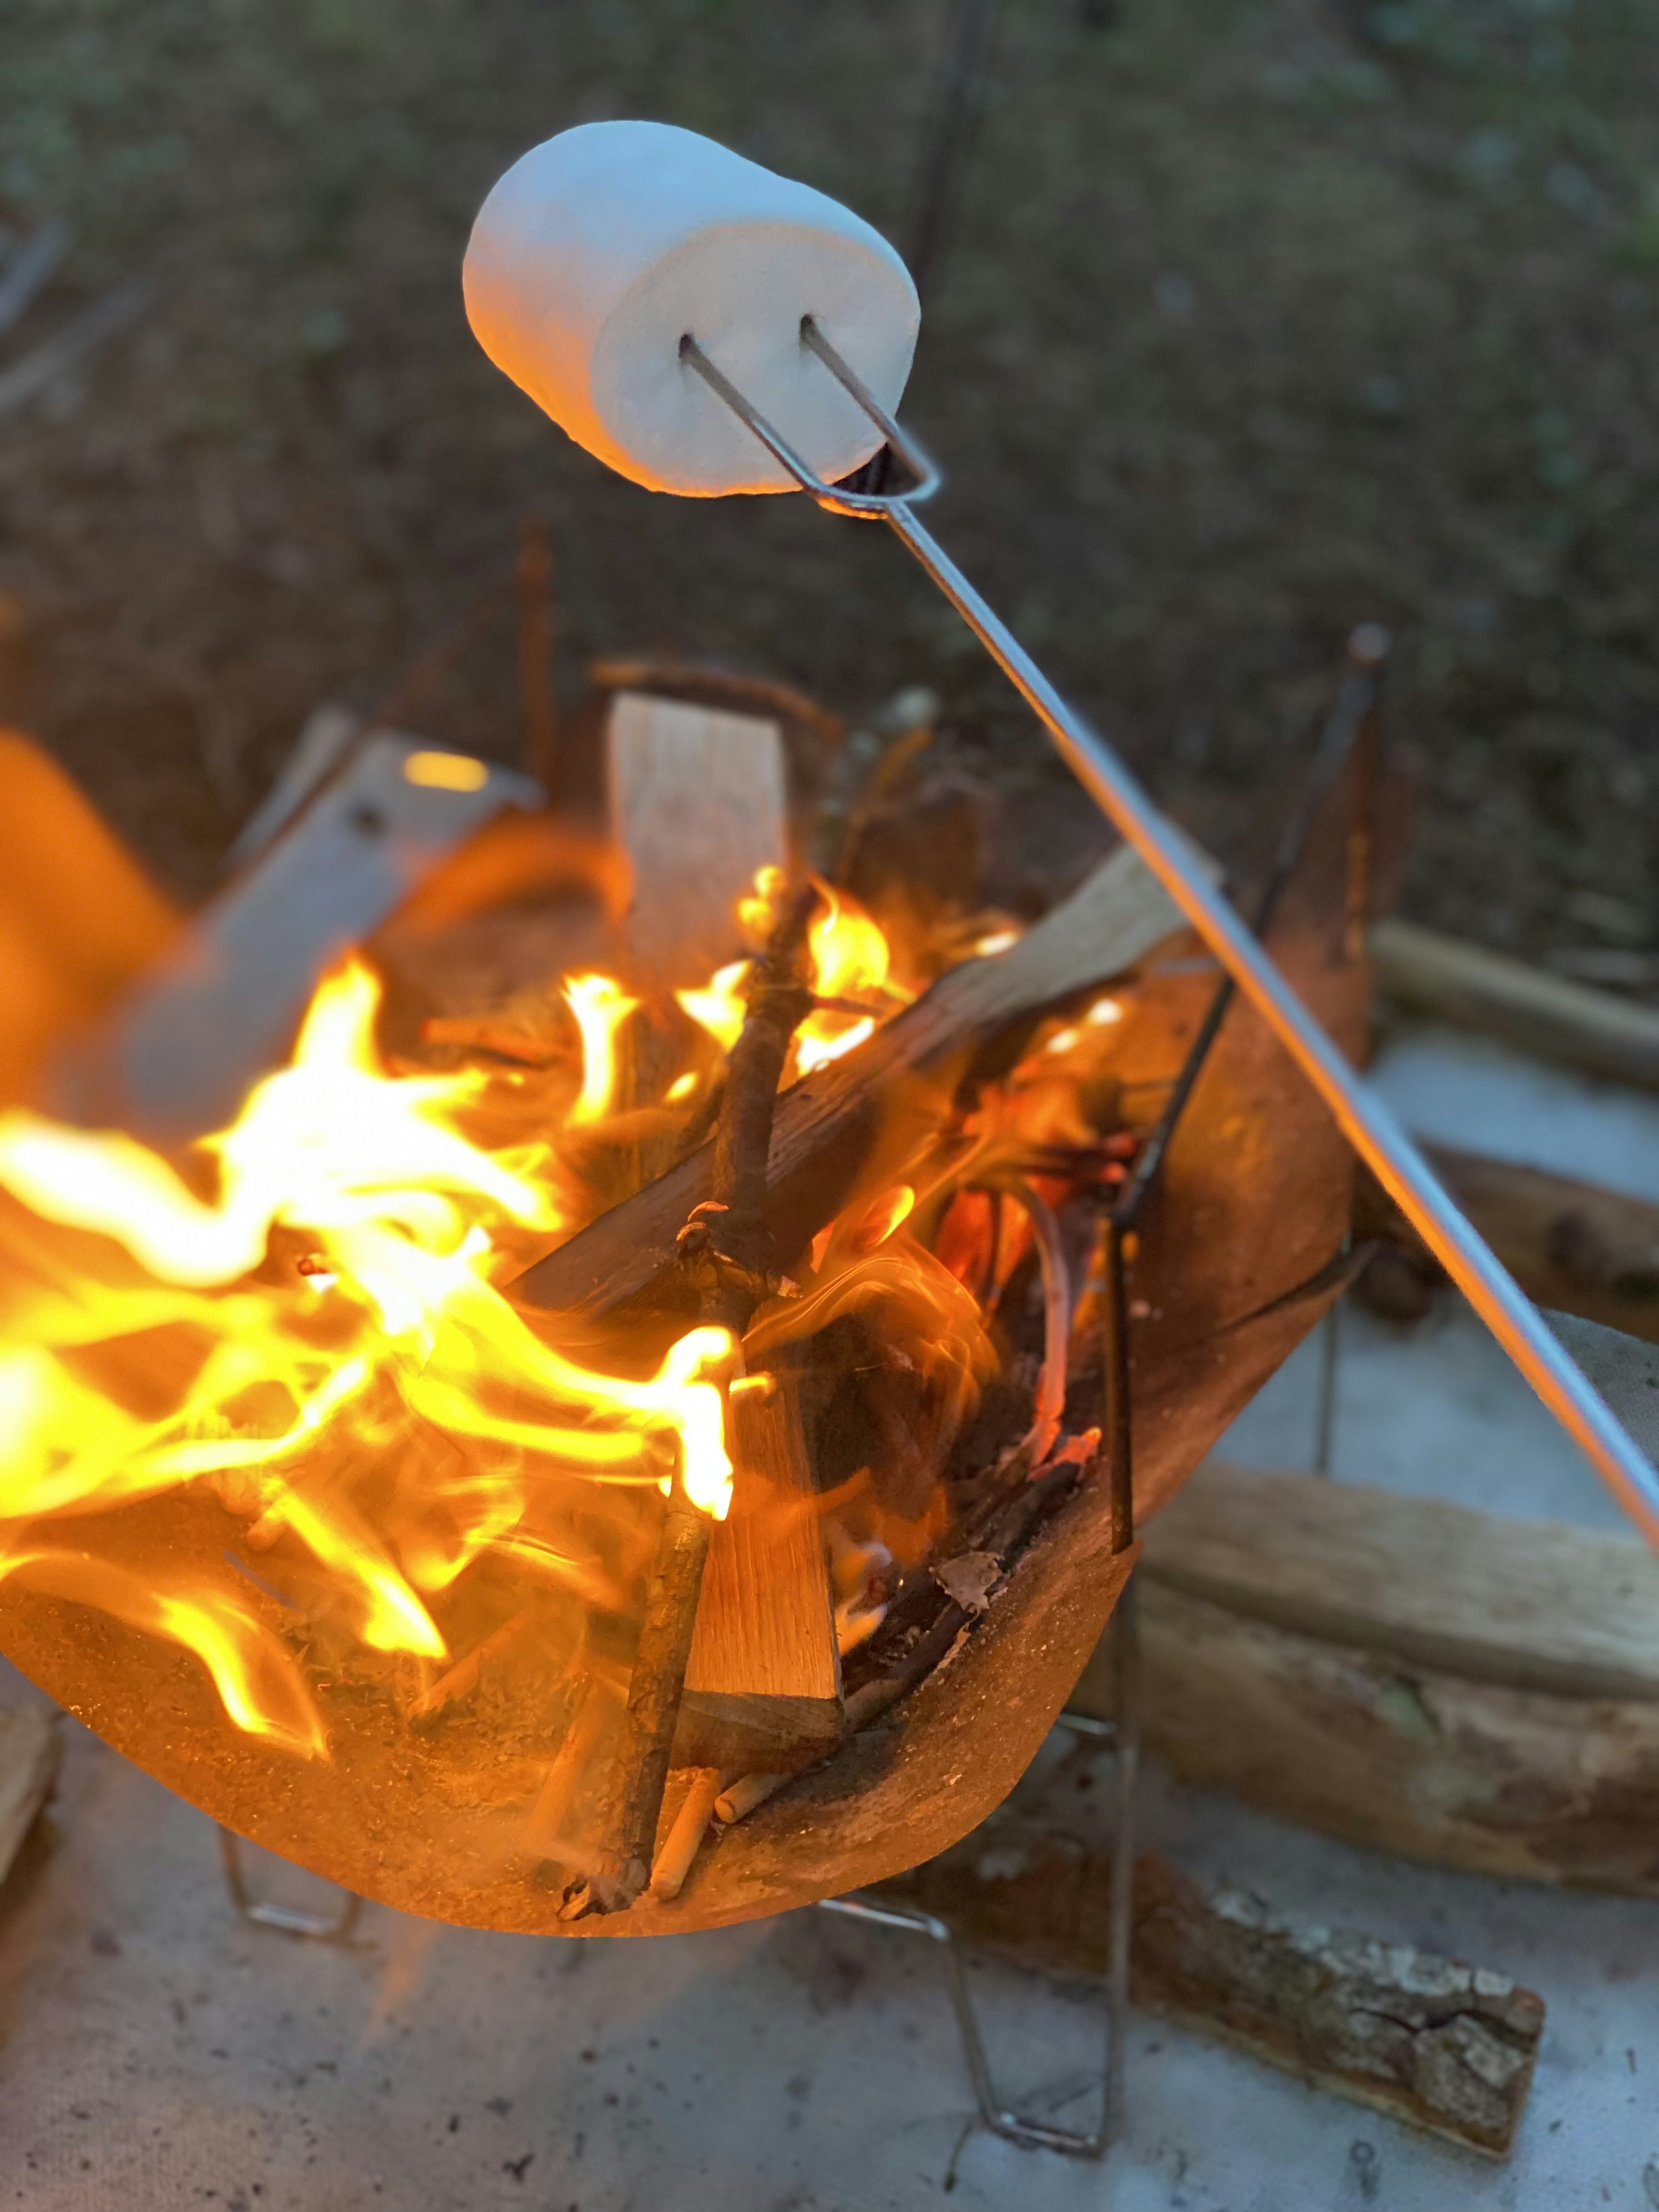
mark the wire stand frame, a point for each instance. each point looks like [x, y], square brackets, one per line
[1353, 719]
[286, 1919]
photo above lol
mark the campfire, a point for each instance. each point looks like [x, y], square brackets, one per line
[699, 1388]
[528, 1440]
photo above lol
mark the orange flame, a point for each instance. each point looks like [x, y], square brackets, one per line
[851, 961]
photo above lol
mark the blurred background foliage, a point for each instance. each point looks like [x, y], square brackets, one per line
[1258, 318]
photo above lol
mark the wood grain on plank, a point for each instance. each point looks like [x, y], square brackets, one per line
[698, 802]
[766, 1625]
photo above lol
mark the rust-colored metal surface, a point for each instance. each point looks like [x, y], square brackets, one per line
[1254, 1205]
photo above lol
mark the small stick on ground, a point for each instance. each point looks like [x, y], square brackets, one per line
[544, 1828]
[462, 1677]
[683, 1840]
[728, 1249]
[742, 1797]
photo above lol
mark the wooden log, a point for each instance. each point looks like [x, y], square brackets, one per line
[31, 1752]
[828, 1127]
[1478, 989]
[1529, 1604]
[1445, 2047]
[1569, 1244]
[1412, 1675]
[698, 800]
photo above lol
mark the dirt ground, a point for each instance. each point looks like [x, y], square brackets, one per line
[1258, 320]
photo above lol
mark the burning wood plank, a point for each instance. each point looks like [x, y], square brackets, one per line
[221, 1005]
[763, 1684]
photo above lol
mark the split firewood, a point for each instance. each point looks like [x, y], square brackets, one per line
[30, 1751]
[685, 1835]
[1445, 2047]
[697, 802]
[763, 1684]
[1411, 1675]
[886, 1092]
[725, 1248]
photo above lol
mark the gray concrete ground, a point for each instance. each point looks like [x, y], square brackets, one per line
[158, 2052]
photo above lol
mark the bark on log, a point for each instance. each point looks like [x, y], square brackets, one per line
[1445, 2047]
[1569, 1244]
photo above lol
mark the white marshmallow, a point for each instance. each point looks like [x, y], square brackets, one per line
[598, 250]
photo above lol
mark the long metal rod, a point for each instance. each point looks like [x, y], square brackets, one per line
[1360, 1113]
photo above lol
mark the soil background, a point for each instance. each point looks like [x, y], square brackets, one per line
[1258, 319]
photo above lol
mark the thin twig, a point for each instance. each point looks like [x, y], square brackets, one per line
[727, 1247]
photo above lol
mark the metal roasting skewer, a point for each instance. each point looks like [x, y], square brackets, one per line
[1362, 1115]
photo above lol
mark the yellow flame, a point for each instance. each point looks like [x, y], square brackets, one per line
[387, 1416]
[758, 910]
[720, 1007]
[850, 961]
[601, 1007]
[446, 771]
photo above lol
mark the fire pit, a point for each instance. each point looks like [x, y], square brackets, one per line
[343, 1434]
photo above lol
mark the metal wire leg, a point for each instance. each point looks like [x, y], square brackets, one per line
[286, 1919]
[1330, 1350]
[1032, 2134]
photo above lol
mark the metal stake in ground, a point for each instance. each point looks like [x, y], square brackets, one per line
[728, 1248]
